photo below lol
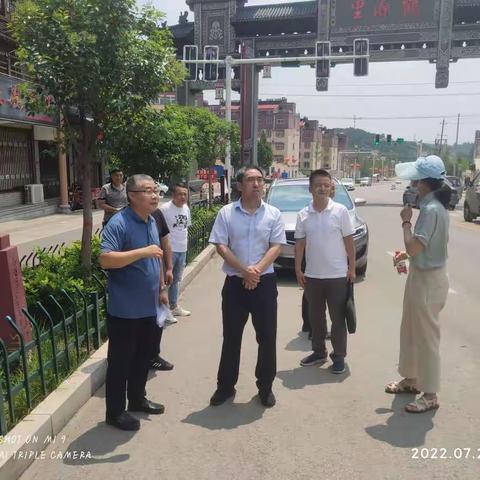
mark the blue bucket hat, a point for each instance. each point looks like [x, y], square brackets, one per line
[431, 166]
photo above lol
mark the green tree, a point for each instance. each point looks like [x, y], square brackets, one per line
[169, 142]
[211, 135]
[264, 153]
[97, 58]
[160, 144]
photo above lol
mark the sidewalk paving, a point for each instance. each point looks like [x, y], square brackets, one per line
[324, 425]
[48, 230]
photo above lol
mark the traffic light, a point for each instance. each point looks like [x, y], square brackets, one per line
[361, 46]
[389, 139]
[377, 139]
[190, 52]
[210, 70]
[323, 49]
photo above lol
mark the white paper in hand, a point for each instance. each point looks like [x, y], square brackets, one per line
[162, 313]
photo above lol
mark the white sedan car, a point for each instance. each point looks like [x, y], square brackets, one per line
[163, 188]
[348, 183]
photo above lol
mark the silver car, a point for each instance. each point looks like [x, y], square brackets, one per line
[291, 195]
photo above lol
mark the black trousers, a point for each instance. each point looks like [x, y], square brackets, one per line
[306, 327]
[156, 340]
[237, 304]
[129, 355]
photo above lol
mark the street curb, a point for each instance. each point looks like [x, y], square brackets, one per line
[192, 270]
[26, 441]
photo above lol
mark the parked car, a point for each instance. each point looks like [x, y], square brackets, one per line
[366, 182]
[291, 195]
[457, 183]
[410, 195]
[163, 188]
[348, 183]
[471, 206]
[196, 196]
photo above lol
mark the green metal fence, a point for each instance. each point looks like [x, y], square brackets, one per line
[198, 235]
[68, 333]
[68, 337]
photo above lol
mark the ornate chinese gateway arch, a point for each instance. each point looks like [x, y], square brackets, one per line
[438, 31]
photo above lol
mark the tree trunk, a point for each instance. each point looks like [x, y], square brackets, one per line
[85, 165]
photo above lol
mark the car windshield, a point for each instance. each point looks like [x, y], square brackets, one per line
[292, 198]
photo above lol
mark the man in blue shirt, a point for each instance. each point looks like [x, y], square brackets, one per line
[247, 235]
[131, 253]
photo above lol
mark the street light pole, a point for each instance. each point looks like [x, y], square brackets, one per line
[228, 118]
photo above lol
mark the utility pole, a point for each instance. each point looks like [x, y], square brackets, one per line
[441, 138]
[355, 164]
[228, 118]
[456, 151]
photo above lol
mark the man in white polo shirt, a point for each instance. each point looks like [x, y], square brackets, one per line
[325, 230]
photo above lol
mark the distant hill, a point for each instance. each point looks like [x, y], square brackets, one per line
[402, 152]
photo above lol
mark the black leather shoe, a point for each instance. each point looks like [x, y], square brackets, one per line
[160, 363]
[221, 396]
[147, 406]
[267, 399]
[124, 421]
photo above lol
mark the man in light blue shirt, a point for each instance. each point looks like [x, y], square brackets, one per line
[248, 234]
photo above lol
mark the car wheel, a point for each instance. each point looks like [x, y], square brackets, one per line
[467, 214]
[361, 271]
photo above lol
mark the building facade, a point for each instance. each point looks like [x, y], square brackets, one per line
[32, 169]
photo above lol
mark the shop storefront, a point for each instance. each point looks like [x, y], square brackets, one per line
[28, 152]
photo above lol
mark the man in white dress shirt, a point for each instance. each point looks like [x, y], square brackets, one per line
[248, 234]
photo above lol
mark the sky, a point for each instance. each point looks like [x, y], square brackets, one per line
[407, 89]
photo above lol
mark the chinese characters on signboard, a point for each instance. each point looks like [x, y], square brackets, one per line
[12, 104]
[364, 13]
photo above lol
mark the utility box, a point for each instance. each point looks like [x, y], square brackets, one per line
[34, 193]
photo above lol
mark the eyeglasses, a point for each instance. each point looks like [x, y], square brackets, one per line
[259, 180]
[156, 191]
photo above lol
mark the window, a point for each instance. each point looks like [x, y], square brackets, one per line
[167, 100]
[307, 145]
[280, 121]
[278, 158]
[306, 164]
[306, 155]
[279, 146]
[280, 133]
[292, 198]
